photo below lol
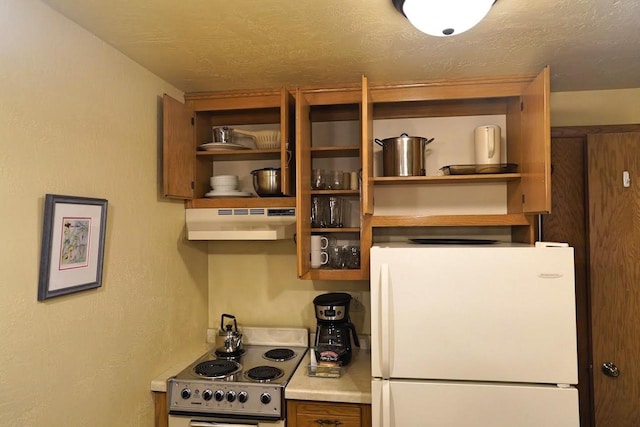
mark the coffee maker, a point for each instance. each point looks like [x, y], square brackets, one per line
[334, 330]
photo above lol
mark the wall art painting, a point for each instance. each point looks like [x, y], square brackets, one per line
[72, 245]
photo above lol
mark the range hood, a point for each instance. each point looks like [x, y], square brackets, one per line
[240, 223]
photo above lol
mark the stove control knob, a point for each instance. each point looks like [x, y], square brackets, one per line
[185, 393]
[207, 394]
[231, 396]
[243, 397]
[265, 398]
[218, 395]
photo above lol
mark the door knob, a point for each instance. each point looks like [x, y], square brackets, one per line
[610, 370]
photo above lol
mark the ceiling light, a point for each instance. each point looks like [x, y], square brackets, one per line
[443, 17]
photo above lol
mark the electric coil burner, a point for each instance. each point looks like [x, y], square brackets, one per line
[217, 368]
[251, 386]
[280, 354]
[264, 373]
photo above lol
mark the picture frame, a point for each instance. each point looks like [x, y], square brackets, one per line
[73, 241]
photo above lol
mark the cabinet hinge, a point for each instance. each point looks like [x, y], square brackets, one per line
[521, 105]
[193, 121]
[193, 184]
[523, 199]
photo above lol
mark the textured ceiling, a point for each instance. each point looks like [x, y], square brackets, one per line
[202, 45]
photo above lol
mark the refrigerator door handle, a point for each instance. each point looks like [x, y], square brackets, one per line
[385, 319]
[385, 408]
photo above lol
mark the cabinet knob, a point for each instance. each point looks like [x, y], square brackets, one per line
[328, 422]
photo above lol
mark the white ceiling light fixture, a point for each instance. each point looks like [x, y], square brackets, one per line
[444, 18]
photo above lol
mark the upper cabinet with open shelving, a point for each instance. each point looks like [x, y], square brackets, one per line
[451, 108]
[188, 125]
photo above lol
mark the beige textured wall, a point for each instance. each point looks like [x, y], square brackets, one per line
[78, 118]
[257, 282]
[600, 107]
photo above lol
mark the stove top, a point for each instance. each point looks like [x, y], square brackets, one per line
[249, 385]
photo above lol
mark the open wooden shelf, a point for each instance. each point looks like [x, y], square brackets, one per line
[449, 220]
[446, 179]
[239, 154]
[332, 152]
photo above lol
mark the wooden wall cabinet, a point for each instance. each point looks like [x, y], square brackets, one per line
[186, 170]
[324, 106]
[523, 99]
[316, 414]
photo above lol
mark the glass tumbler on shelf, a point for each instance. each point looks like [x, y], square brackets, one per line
[334, 212]
[318, 179]
[335, 180]
[318, 212]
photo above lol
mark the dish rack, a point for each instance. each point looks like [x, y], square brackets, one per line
[264, 139]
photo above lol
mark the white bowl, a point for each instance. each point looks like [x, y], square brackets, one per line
[226, 180]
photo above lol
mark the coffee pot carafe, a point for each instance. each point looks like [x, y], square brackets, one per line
[334, 331]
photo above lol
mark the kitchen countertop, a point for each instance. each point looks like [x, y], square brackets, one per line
[354, 386]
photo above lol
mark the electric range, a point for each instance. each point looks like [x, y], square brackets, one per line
[249, 386]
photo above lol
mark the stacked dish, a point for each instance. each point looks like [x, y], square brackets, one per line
[225, 186]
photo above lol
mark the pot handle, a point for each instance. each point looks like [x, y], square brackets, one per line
[379, 142]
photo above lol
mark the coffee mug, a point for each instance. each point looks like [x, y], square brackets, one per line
[319, 243]
[487, 141]
[319, 258]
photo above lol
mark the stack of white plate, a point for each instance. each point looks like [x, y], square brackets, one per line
[225, 186]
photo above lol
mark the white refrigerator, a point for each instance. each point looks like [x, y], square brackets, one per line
[473, 336]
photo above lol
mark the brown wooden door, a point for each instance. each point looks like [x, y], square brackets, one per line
[614, 244]
[568, 223]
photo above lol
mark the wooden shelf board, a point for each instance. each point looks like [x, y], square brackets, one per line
[446, 179]
[343, 274]
[333, 152]
[449, 220]
[239, 154]
[335, 192]
[243, 202]
[336, 230]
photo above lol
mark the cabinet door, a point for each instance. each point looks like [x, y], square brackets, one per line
[536, 145]
[178, 149]
[303, 175]
[287, 152]
[366, 121]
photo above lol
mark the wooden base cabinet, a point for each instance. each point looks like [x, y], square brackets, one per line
[161, 417]
[302, 413]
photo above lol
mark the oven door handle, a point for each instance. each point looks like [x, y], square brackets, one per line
[217, 424]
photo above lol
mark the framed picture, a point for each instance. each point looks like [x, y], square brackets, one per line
[72, 245]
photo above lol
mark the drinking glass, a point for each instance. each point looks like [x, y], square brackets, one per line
[334, 212]
[334, 180]
[318, 179]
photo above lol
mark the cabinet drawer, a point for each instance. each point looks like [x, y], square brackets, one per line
[302, 413]
[328, 409]
[327, 420]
